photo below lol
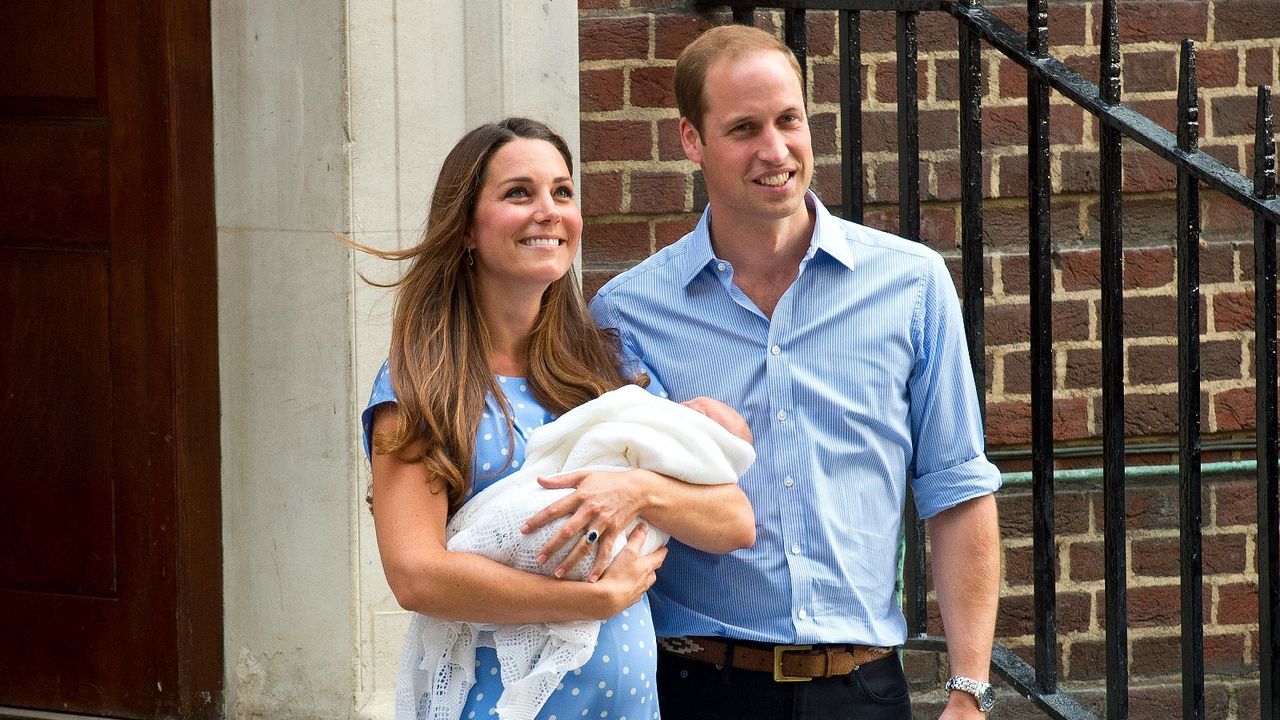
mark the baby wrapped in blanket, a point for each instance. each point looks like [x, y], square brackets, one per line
[703, 442]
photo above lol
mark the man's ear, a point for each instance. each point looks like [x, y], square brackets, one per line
[691, 141]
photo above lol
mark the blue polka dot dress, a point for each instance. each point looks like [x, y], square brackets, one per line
[617, 683]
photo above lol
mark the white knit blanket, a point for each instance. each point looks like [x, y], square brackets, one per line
[622, 429]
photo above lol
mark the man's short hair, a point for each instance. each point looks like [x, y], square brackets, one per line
[726, 42]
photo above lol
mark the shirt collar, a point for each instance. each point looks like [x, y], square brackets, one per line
[828, 236]
[698, 254]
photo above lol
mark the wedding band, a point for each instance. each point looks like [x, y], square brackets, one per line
[592, 537]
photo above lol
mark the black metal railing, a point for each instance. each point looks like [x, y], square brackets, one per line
[1188, 253]
[1030, 50]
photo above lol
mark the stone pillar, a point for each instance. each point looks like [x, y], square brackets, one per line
[334, 117]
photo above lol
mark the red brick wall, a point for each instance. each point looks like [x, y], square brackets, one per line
[640, 194]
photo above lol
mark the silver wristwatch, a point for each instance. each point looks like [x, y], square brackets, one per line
[981, 691]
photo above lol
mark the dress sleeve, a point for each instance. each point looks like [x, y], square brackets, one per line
[636, 366]
[382, 393]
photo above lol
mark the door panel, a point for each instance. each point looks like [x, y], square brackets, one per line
[49, 49]
[56, 313]
[55, 181]
[107, 428]
[76, 590]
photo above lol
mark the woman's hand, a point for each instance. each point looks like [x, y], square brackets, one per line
[603, 501]
[631, 573]
[410, 515]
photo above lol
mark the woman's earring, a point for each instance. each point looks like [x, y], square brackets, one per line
[470, 259]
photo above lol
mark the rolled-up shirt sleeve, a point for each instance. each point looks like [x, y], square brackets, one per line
[949, 465]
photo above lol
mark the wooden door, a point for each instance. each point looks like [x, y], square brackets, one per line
[109, 517]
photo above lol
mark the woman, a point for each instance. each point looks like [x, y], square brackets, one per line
[491, 339]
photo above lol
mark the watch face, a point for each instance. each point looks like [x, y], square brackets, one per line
[987, 698]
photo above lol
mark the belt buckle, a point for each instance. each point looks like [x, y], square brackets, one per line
[777, 662]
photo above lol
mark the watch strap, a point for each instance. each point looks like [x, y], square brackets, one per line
[981, 691]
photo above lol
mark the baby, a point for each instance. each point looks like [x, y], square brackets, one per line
[531, 498]
[700, 441]
[723, 415]
[620, 430]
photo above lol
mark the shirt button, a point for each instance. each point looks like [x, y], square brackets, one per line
[803, 615]
[775, 350]
[788, 482]
[795, 549]
[782, 415]
[721, 267]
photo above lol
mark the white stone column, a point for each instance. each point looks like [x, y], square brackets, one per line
[422, 74]
[335, 116]
[284, 327]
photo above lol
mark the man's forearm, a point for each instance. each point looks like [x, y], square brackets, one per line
[711, 518]
[965, 547]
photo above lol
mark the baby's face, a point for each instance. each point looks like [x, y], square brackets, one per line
[724, 416]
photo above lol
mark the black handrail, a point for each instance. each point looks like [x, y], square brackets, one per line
[1131, 123]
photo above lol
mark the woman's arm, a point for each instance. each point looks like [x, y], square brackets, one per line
[713, 518]
[410, 512]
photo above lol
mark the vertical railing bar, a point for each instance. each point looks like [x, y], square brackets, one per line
[744, 16]
[1191, 560]
[1044, 546]
[917, 592]
[851, 114]
[908, 129]
[1113, 441]
[1264, 343]
[971, 202]
[909, 227]
[795, 35]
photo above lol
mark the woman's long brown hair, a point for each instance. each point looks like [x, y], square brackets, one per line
[439, 356]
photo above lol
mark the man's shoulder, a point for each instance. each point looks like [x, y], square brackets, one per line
[869, 239]
[889, 257]
[659, 268]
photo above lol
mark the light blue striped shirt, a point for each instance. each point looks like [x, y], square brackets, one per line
[860, 381]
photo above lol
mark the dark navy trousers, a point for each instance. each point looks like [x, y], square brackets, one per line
[692, 690]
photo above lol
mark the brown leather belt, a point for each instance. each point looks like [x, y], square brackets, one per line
[788, 663]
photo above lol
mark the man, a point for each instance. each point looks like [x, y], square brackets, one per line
[844, 348]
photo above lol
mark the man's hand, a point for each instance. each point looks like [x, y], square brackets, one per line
[961, 706]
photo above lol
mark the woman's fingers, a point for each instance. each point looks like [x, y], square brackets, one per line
[563, 480]
[607, 540]
[602, 502]
[571, 532]
[604, 535]
[656, 559]
[631, 573]
[564, 506]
